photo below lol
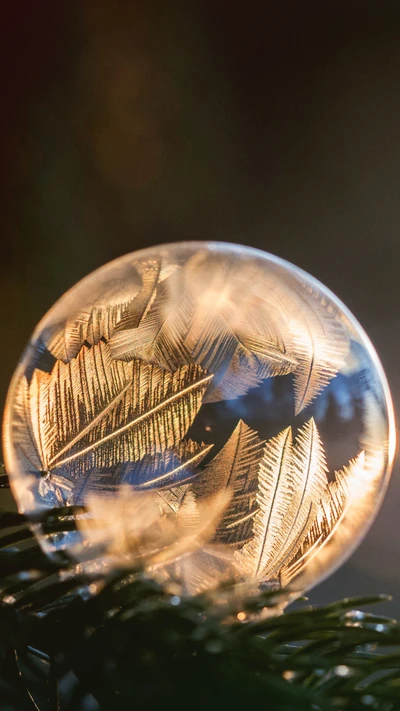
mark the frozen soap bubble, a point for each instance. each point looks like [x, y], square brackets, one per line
[218, 410]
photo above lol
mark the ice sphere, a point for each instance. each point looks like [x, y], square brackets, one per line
[209, 393]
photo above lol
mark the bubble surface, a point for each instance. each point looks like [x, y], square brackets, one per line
[216, 408]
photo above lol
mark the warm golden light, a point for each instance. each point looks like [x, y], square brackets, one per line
[218, 412]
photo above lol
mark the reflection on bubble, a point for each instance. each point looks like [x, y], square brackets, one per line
[219, 412]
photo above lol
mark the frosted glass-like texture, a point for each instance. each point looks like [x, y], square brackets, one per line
[219, 411]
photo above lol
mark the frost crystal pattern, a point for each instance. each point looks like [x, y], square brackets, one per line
[217, 409]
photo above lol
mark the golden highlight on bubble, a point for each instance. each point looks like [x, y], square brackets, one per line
[220, 414]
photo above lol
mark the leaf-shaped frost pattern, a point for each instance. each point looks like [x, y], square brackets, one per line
[275, 491]
[233, 333]
[315, 335]
[292, 479]
[173, 467]
[171, 500]
[207, 313]
[159, 337]
[326, 519]
[309, 483]
[65, 340]
[25, 429]
[168, 468]
[149, 271]
[320, 345]
[188, 514]
[95, 412]
[235, 470]
[112, 306]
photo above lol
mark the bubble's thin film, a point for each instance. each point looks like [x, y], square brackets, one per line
[207, 397]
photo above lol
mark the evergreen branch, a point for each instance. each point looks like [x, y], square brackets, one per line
[73, 640]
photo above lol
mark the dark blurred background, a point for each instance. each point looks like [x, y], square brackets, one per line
[272, 124]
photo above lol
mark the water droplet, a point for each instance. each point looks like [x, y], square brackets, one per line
[381, 628]
[342, 670]
[355, 615]
[9, 599]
